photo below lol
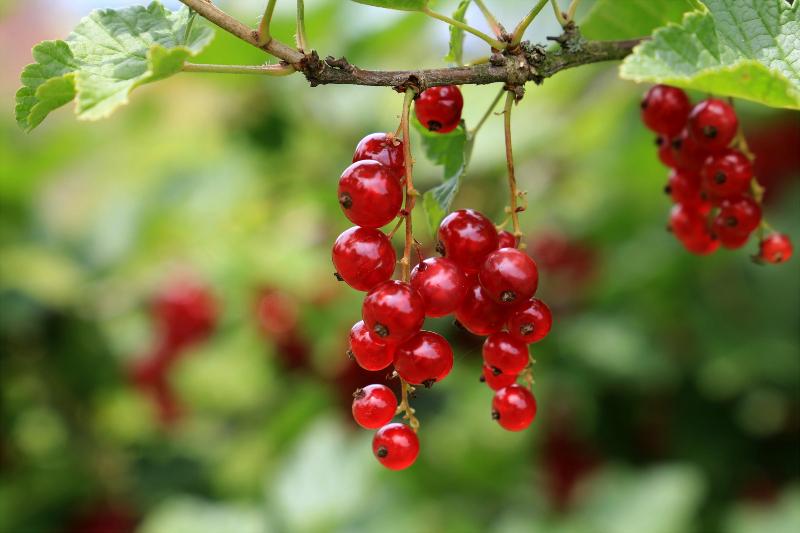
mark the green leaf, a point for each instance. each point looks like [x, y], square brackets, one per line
[110, 53]
[402, 5]
[452, 151]
[612, 19]
[456, 54]
[747, 49]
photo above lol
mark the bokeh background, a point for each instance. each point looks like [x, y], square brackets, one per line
[669, 388]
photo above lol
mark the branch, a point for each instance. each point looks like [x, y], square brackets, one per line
[532, 63]
[535, 64]
[210, 12]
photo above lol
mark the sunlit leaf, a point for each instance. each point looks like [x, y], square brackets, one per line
[109, 53]
[740, 48]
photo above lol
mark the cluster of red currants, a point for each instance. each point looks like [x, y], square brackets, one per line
[717, 200]
[481, 278]
[184, 313]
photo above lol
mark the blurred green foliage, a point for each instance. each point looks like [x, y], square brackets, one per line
[668, 389]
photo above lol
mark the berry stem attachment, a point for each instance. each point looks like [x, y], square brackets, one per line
[512, 180]
[519, 31]
[263, 27]
[490, 18]
[302, 41]
[411, 193]
[405, 406]
[494, 43]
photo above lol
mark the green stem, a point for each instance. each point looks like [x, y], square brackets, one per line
[263, 27]
[519, 31]
[558, 13]
[490, 18]
[512, 180]
[494, 43]
[410, 193]
[573, 7]
[302, 41]
[485, 116]
[267, 70]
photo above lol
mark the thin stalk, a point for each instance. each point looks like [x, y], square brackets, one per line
[558, 13]
[405, 263]
[494, 43]
[490, 18]
[485, 116]
[573, 7]
[302, 41]
[411, 193]
[267, 70]
[405, 406]
[519, 31]
[512, 180]
[263, 27]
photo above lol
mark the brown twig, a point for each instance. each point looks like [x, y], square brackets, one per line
[339, 71]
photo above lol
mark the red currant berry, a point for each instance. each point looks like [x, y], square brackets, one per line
[741, 213]
[684, 187]
[728, 235]
[507, 353]
[531, 323]
[186, 313]
[370, 194]
[704, 243]
[665, 154]
[393, 311]
[686, 222]
[514, 407]
[713, 124]
[687, 153]
[775, 248]
[665, 109]
[396, 446]
[509, 276]
[383, 148]
[424, 359]
[506, 239]
[479, 314]
[363, 257]
[466, 237]
[496, 379]
[374, 406]
[439, 108]
[441, 284]
[368, 350]
[726, 174]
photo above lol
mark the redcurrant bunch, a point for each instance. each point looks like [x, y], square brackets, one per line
[481, 278]
[184, 313]
[717, 200]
